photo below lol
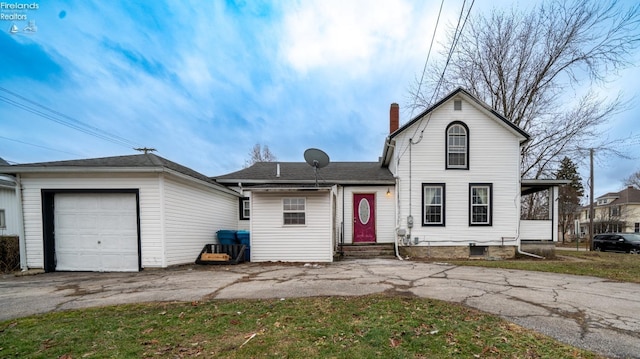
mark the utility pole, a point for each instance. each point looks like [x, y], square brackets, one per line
[145, 150]
[590, 199]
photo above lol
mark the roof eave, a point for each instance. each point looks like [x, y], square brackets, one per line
[233, 182]
[73, 169]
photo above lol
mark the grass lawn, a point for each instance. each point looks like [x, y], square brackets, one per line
[377, 326]
[615, 266]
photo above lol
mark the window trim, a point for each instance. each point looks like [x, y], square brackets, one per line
[443, 203]
[446, 146]
[489, 186]
[303, 211]
[242, 208]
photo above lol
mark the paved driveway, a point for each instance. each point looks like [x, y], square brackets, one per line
[586, 312]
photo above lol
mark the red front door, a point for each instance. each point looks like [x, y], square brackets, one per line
[364, 218]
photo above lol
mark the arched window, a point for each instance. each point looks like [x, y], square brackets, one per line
[457, 146]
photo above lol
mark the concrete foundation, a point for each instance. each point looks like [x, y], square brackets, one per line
[458, 252]
[545, 249]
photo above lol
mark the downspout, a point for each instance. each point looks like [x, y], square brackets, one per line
[397, 204]
[21, 239]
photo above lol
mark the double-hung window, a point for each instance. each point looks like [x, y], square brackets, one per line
[293, 210]
[457, 146]
[245, 208]
[433, 204]
[480, 206]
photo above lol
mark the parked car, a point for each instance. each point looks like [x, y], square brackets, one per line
[619, 242]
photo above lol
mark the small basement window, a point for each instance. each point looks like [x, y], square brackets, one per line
[478, 251]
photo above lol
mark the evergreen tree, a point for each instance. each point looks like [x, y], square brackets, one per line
[569, 195]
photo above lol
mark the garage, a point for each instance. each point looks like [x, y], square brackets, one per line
[95, 232]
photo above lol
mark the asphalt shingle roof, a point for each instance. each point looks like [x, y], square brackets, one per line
[301, 172]
[148, 160]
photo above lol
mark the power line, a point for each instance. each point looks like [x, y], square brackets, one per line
[59, 118]
[34, 145]
[424, 69]
[456, 37]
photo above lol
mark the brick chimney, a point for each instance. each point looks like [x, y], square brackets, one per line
[394, 117]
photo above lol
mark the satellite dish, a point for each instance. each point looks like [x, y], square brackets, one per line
[317, 159]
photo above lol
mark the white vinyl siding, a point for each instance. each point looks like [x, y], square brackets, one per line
[271, 240]
[193, 213]
[385, 212]
[494, 155]
[150, 223]
[177, 216]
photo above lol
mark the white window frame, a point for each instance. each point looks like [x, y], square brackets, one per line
[3, 219]
[439, 203]
[457, 132]
[473, 204]
[245, 208]
[294, 206]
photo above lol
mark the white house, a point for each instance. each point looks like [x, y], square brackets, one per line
[291, 218]
[447, 185]
[118, 213]
[457, 166]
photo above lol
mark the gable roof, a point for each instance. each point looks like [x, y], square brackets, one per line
[148, 162]
[3, 162]
[388, 148]
[302, 173]
[473, 99]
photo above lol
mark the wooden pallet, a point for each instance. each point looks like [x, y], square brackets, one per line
[220, 257]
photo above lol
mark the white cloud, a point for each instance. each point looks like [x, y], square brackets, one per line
[343, 33]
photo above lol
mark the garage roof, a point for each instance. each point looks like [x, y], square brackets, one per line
[131, 163]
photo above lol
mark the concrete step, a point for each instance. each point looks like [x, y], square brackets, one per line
[385, 250]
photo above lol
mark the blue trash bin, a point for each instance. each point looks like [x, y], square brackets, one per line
[245, 238]
[226, 236]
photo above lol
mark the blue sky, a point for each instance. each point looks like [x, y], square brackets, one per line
[204, 81]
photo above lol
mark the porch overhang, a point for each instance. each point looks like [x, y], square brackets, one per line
[529, 186]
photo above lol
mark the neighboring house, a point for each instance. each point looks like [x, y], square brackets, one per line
[613, 212]
[447, 185]
[118, 213]
[290, 218]
[9, 222]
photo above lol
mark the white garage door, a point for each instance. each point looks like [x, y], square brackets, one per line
[96, 232]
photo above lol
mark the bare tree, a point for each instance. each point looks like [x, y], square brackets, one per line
[531, 67]
[633, 180]
[259, 154]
